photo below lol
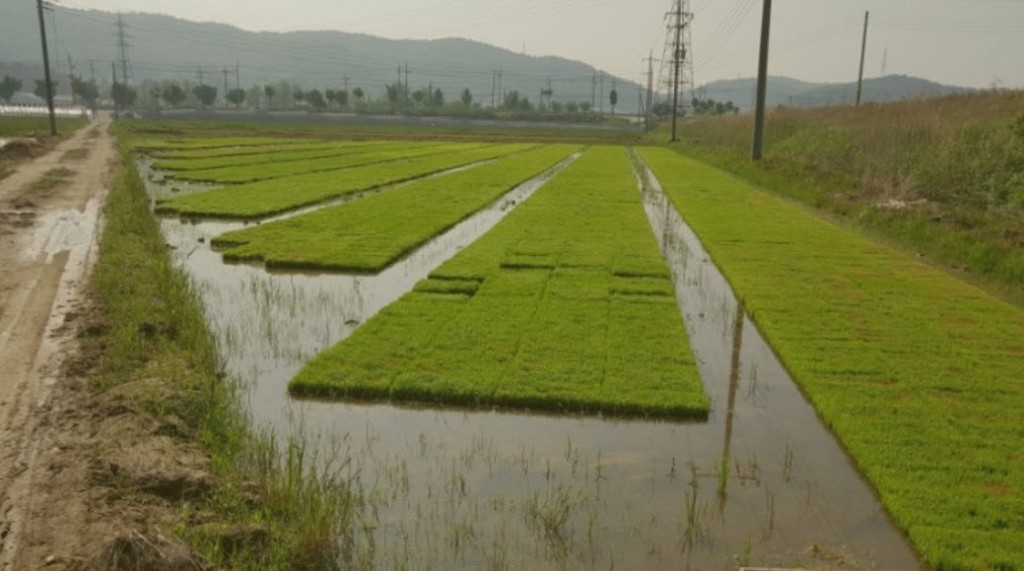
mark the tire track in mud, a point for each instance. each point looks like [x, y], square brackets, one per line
[48, 237]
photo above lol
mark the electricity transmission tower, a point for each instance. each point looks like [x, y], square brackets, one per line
[678, 55]
[122, 48]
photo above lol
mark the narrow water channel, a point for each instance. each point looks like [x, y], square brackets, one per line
[760, 483]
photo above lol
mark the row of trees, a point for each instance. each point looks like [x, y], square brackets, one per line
[284, 95]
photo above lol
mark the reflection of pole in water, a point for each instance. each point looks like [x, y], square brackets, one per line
[734, 381]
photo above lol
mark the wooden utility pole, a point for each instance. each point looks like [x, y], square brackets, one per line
[863, 51]
[46, 70]
[762, 83]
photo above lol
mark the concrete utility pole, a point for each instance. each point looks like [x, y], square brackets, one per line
[593, 91]
[650, 91]
[406, 91]
[113, 77]
[226, 73]
[494, 83]
[46, 70]
[676, 62]
[762, 83]
[863, 51]
[71, 76]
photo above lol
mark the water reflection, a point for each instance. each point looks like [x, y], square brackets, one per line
[761, 483]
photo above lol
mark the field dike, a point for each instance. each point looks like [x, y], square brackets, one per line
[760, 483]
[176, 448]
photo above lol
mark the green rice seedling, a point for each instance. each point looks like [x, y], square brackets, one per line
[306, 162]
[549, 325]
[917, 373]
[370, 234]
[265, 198]
[203, 143]
[221, 152]
[241, 156]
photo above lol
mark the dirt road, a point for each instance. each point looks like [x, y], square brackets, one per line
[48, 236]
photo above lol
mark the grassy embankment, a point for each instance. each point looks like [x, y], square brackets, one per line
[939, 177]
[565, 305]
[918, 374]
[271, 168]
[265, 198]
[153, 329]
[13, 127]
[370, 234]
[38, 126]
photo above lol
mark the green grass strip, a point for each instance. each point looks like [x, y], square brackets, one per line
[370, 234]
[262, 154]
[38, 126]
[265, 198]
[554, 334]
[271, 168]
[920, 375]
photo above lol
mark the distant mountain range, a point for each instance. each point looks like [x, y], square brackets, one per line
[166, 48]
[796, 93]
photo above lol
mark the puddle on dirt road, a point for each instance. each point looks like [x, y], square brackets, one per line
[760, 483]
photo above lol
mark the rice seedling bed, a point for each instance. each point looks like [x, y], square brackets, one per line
[207, 153]
[565, 305]
[262, 154]
[271, 168]
[203, 143]
[265, 198]
[368, 235]
[918, 374]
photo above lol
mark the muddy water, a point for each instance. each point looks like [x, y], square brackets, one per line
[760, 483]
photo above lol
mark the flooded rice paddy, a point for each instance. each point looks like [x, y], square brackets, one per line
[762, 482]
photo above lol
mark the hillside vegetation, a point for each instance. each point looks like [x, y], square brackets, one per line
[940, 178]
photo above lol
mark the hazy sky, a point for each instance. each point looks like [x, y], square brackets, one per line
[967, 42]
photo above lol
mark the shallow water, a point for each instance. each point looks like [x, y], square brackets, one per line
[762, 482]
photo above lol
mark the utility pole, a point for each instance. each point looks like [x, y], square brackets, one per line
[122, 48]
[600, 99]
[113, 77]
[398, 94]
[46, 70]
[92, 72]
[593, 91]
[762, 83]
[345, 80]
[226, 73]
[501, 88]
[863, 51]
[71, 76]
[406, 81]
[677, 57]
[494, 83]
[650, 91]
[199, 74]
[238, 75]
